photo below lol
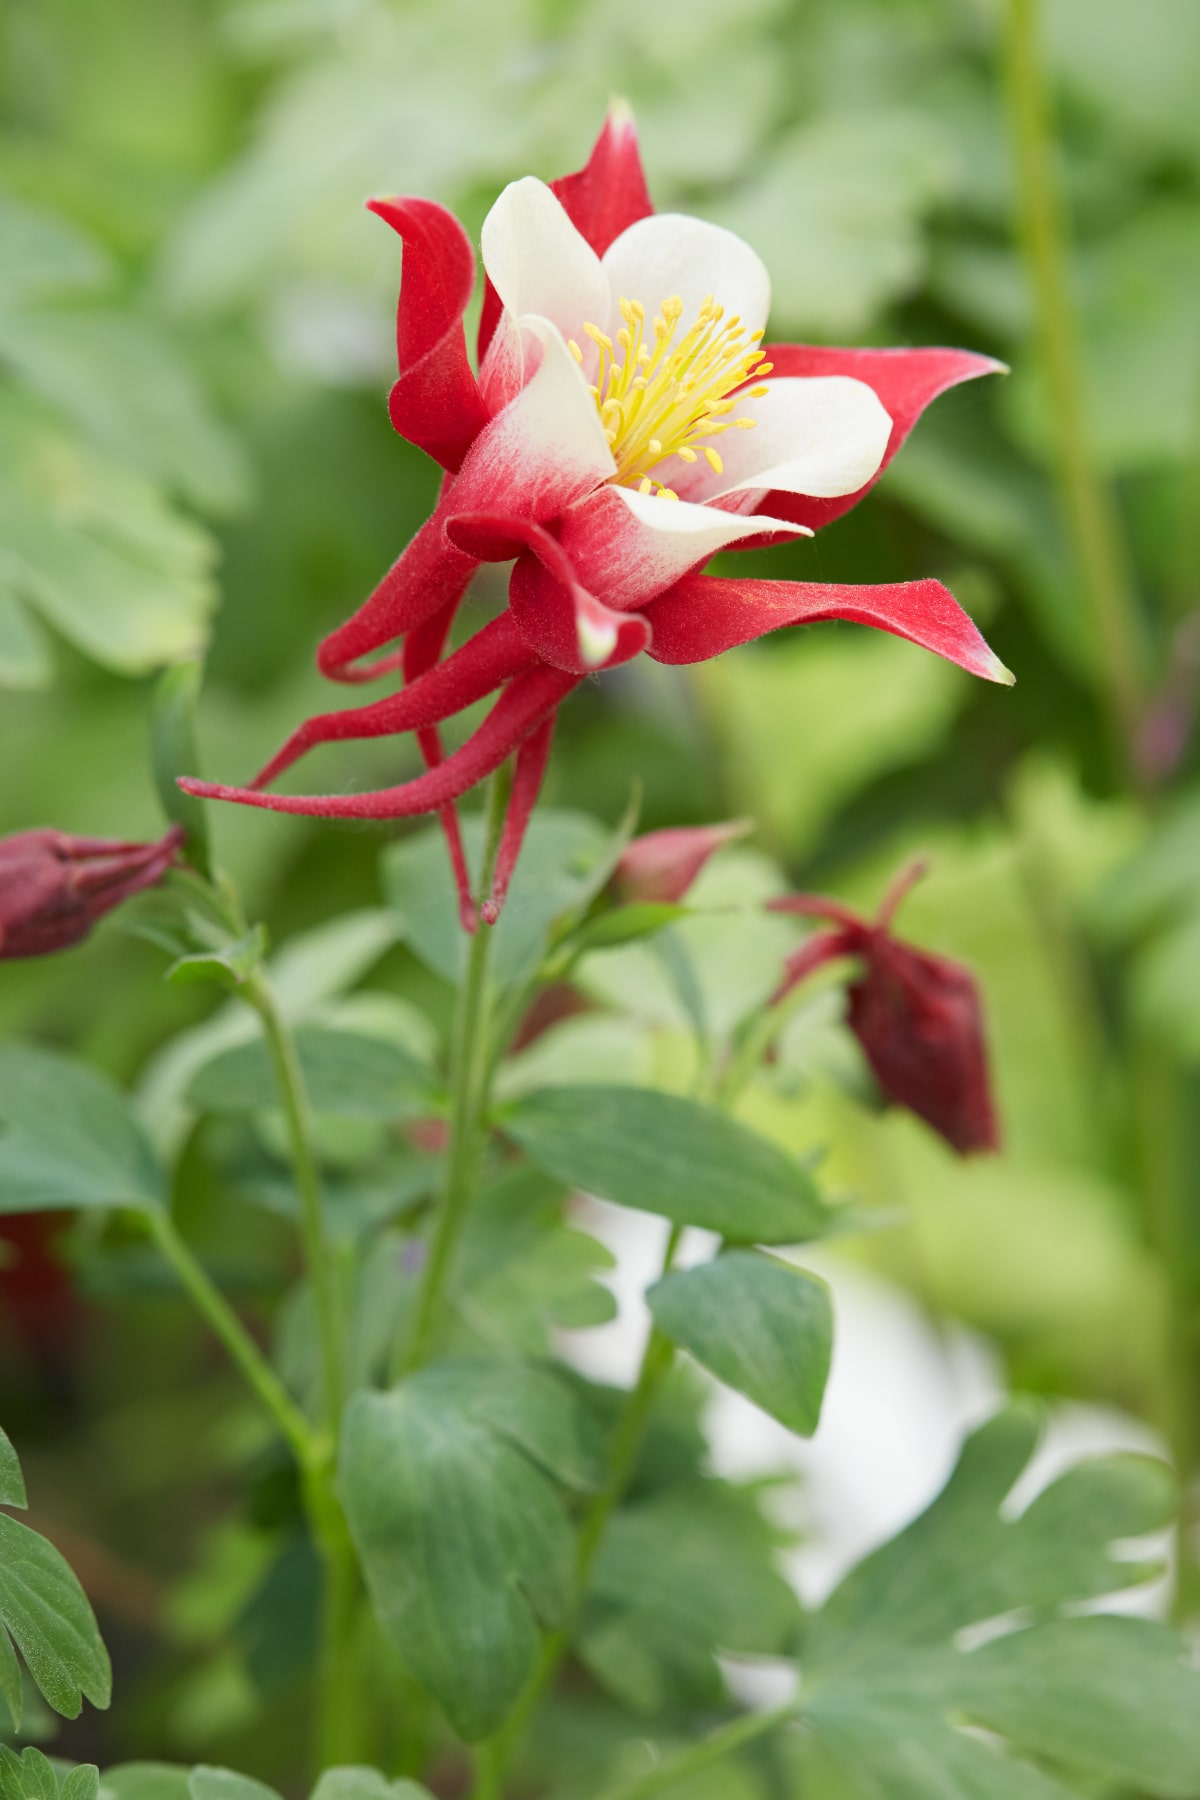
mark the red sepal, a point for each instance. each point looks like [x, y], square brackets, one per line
[492, 657]
[435, 403]
[422, 648]
[528, 776]
[54, 887]
[521, 708]
[906, 381]
[701, 616]
[428, 576]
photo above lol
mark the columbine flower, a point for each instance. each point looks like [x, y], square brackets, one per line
[917, 1016]
[662, 865]
[626, 423]
[54, 887]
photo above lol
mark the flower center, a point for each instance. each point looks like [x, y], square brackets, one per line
[661, 395]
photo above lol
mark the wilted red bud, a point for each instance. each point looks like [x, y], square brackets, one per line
[54, 887]
[917, 1016]
[662, 865]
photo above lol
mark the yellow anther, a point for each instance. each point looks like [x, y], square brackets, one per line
[668, 392]
[757, 393]
[576, 352]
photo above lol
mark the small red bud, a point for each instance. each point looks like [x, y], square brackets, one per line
[917, 1016]
[662, 865]
[54, 887]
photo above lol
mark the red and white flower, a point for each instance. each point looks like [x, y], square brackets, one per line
[625, 424]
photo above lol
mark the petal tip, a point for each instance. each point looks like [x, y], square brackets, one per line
[995, 670]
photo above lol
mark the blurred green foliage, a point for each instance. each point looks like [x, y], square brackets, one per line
[195, 345]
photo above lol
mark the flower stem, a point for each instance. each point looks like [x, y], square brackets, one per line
[469, 1084]
[216, 1310]
[321, 1266]
[339, 1714]
[746, 1729]
[1090, 514]
[494, 1756]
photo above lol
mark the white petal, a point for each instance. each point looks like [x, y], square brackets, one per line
[547, 448]
[822, 436]
[539, 263]
[670, 253]
[627, 547]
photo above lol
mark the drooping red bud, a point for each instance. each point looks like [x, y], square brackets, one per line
[917, 1016]
[54, 887]
[662, 865]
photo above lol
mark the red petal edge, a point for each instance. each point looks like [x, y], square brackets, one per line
[435, 403]
[703, 615]
[524, 705]
[906, 381]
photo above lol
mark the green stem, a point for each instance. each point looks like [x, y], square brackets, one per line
[213, 1306]
[469, 1084]
[492, 1758]
[1159, 1115]
[339, 1722]
[721, 1743]
[319, 1261]
[755, 1043]
[1091, 517]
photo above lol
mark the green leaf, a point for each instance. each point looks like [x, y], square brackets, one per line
[205, 1783]
[681, 1578]
[625, 925]
[1096, 1696]
[663, 1154]
[174, 753]
[230, 966]
[24, 656]
[529, 1405]
[145, 1781]
[560, 853]
[68, 1138]
[521, 1270]
[42, 256]
[347, 1073]
[12, 1482]
[757, 1324]
[96, 549]
[28, 1776]
[46, 1613]
[365, 1784]
[124, 387]
[80, 1783]
[464, 1544]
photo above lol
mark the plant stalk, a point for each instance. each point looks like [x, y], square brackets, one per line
[319, 1261]
[339, 1724]
[216, 1310]
[493, 1757]
[469, 1086]
[1090, 513]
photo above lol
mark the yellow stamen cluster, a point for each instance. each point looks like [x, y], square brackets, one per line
[660, 396]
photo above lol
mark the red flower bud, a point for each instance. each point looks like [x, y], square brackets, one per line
[662, 865]
[54, 887]
[917, 1016]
